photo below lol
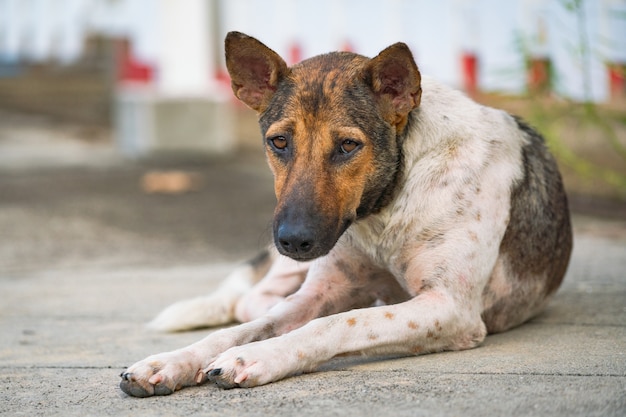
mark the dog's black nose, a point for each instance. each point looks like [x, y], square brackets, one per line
[294, 241]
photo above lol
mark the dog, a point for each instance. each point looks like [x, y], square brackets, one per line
[409, 220]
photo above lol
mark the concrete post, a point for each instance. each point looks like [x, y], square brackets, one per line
[183, 109]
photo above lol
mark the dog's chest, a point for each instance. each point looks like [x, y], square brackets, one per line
[400, 231]
[446, 199]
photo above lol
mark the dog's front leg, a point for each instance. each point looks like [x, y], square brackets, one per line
[165, 373]
[430, 322]
[440, 317]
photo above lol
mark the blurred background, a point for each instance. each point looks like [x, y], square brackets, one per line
[130, 178]
[147, 77]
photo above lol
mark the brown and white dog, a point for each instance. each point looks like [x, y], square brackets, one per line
[410, 220]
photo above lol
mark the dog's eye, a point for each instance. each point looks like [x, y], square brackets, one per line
[348, 146]
[278, 142]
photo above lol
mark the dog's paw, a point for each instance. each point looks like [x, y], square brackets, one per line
[251, 365]
[161, 375]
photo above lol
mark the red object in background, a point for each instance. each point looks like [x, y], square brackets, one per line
[347, 47]
[222, 77]
[539, 75]
[617, 80]
[469, 66]
[130, 69]
[295, 54]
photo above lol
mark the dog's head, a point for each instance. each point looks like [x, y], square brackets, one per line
[332, 126]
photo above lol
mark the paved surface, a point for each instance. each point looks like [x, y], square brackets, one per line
[86, 258]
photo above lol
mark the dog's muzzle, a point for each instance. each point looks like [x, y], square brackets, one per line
[306, 240]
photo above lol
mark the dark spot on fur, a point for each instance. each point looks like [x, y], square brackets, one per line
[355, 292]
[269, 330]
[538, 240]
[426, 286]
[538, 237]
[433, 238]
[403, 267]
[327, 308]
[351, 321]
[375, 276]
[389, 315]
[412, 325]
[347, 270]
[260, 259]
[439, 272]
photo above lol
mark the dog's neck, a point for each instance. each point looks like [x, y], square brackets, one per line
[390, 191]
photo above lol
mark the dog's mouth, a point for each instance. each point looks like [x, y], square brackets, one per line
[306, 242]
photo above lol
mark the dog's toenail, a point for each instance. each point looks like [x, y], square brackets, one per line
[215, 372]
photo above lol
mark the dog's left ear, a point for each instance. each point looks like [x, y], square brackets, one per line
[395, 80]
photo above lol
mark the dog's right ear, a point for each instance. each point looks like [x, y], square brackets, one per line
[255, 70]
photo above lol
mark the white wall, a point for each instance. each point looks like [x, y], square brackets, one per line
[438, 32]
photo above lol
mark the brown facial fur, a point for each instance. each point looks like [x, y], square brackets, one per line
[314, 111]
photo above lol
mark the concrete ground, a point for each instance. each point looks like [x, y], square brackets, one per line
[87, 257]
